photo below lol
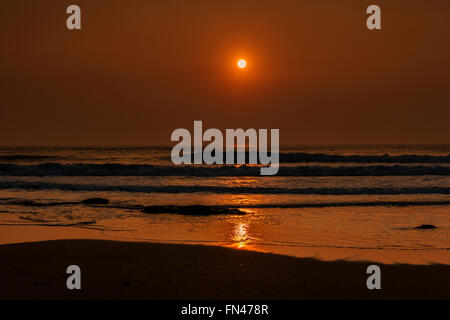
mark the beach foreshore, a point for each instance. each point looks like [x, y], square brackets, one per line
[136, 270]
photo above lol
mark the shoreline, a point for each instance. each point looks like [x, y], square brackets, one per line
[139, 270]
[17, 234]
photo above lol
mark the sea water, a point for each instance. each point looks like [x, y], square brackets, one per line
[354, 202]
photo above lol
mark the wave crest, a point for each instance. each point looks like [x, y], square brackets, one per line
[109, 169]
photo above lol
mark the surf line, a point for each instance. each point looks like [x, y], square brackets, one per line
[235, 144]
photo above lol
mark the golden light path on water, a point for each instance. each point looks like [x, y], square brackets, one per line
[379, 233]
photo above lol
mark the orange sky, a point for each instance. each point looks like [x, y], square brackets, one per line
[140, 69]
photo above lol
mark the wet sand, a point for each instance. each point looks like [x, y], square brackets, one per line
[134, 270]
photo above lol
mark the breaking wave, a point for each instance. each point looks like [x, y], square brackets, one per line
[58, 169]
[231, 209]
[24, 157]
[386, 158]
[216, 189]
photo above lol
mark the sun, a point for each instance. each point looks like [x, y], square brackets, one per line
[241, 63]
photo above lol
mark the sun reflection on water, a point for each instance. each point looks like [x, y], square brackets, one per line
[240, 235]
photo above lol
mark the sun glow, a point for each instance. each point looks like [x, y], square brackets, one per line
[241, 64]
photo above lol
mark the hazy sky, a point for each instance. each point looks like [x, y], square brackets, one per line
[139, 69]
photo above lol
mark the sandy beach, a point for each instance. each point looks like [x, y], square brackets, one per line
[130, 270]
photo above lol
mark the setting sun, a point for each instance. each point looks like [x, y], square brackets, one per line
[242, 63]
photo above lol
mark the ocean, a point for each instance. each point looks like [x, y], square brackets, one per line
[352, 202]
